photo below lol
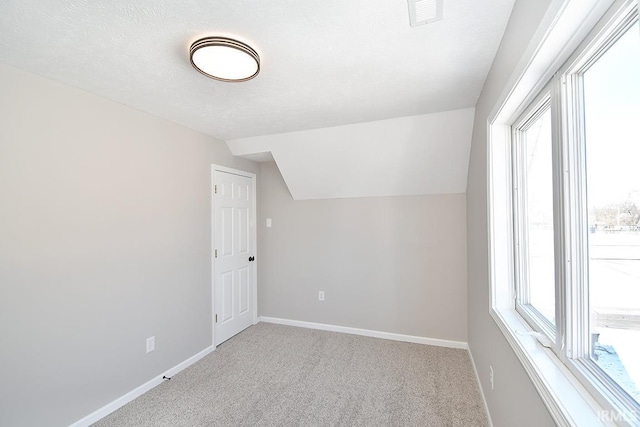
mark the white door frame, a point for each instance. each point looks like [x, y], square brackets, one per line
[254, 236]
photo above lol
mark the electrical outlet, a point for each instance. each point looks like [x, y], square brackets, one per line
[491, 376]
[321, 296]
[268, 222]
[151, 344]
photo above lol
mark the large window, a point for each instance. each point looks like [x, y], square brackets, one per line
[611, 87]
[571, 167]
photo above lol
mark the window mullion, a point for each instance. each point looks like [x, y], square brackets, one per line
[560, 181]
[519, 186]
[576, 286]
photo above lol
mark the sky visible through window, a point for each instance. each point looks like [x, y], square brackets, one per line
[539, 194]
[612, 119]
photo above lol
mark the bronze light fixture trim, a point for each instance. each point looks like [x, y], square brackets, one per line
[224, 59]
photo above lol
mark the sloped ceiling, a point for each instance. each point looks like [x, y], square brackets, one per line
[426, 154]
[324, 64]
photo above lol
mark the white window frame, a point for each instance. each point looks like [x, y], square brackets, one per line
[521, 268]
[573, 387]
[578, 345]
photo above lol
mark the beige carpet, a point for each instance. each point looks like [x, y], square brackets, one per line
[272, 375]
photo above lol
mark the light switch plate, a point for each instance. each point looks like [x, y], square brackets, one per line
[151, 344]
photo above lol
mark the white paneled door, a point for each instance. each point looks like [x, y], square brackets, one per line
[233, 268]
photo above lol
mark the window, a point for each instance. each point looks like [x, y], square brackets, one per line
[533, 185]
[564, 190]
[611, 105]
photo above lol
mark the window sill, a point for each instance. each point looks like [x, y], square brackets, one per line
[569, 403]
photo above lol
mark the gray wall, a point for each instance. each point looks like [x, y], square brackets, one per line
[104, 241]
[514, 401]
[393, 264]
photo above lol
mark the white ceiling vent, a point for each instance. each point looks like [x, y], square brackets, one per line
[424, 11]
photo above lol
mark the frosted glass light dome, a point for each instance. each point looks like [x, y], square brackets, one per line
[224, 59]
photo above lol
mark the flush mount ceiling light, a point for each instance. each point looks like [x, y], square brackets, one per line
[224, 59]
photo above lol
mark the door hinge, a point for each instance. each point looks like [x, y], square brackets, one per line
[216, 318]
[215, 253]
[215, 189]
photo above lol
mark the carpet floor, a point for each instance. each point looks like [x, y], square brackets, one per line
[273, 375]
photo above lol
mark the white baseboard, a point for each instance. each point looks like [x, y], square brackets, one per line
[366, 332]
[138, 391]
[484, 399]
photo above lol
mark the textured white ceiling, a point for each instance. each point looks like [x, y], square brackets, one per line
[324, 63]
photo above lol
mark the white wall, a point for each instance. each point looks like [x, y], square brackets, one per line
[392, 264]
[406, 156]
[514, 401]
[104, 241]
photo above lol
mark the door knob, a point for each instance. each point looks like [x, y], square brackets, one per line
[252, 258]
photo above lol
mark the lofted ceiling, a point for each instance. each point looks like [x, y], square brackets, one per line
[323, 63]
[425, 154]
